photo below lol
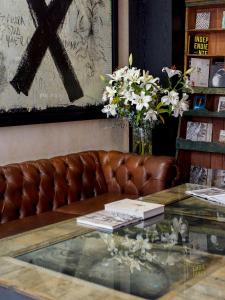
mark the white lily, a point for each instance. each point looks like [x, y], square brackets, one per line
[118, 74]
[171, 98]
[110, 109]
[105, 96]
[128, 96]
[141, 101]
[181, 106]
[151, 115]
[132, 75]
[171, 72]
[110, 91]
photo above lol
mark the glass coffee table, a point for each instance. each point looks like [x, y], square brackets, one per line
[178, 255]
[148, 260]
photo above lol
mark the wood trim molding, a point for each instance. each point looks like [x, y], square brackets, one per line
[203, 2]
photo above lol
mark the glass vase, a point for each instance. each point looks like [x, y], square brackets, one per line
[142, 140]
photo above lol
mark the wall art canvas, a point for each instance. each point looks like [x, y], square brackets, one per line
[52, 52]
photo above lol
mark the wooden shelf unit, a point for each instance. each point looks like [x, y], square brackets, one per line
[204, 154]
[200, 146]
[204, 114]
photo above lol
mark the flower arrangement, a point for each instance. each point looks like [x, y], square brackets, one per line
[137, 96]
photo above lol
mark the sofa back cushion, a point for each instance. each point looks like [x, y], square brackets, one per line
[35, 187]
[135, 174]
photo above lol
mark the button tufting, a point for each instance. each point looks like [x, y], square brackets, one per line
[122, 161]
[141, 164]
[129, 176]
[148, 176]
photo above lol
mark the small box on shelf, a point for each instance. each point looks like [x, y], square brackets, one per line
[199, 102]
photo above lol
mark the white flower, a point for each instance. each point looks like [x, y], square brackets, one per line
[133, 75]
[105, 96]
[141, 101]
[151, 115]
[111, 92]
[187, 85]
[181, 106]
[171, 98]
[128, 96]
[110, 109]
[171, 72]
[118, 74]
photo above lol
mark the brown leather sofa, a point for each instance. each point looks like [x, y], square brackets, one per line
[41, 192]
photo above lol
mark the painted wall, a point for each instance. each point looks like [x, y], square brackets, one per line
[19, 143]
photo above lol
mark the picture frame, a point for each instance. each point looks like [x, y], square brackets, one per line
[199, 102]
[20, 115]
[221, 104]
[222, 136]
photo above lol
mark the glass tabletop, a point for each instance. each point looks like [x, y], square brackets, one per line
[148, 259]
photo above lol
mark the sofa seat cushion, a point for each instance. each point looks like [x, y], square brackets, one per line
[32, 222]
[92, 204]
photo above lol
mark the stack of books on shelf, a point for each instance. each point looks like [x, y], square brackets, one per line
[208, 72]
[209, 177]
[199, 132]
[121, 213]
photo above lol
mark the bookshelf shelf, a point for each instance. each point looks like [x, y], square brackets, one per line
[209, 90]
[206, 56]
[196, 3]
[200, 146]
[204, 113]
[206, 30]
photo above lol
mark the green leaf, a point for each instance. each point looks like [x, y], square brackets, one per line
[160, 105]
[162, 119]
[164, 110]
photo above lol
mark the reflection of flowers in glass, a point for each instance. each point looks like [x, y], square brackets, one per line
[140, 251]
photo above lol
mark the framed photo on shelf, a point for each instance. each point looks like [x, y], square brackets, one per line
[221, 105]
[223, 20]
[199, 102]
[52, 54]
[202, 20]
[222, 136]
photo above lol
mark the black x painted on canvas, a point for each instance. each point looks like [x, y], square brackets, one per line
[47, 20]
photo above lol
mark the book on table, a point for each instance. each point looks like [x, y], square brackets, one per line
[121, 213]
[212, 194]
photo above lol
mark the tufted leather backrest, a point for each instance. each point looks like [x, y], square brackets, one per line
[35, 187]
[137, 175]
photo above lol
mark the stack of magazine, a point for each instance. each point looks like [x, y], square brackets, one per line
[211, 194]
[121, 213]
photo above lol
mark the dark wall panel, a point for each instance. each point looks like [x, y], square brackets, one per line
[151, 34]
[157, 40]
